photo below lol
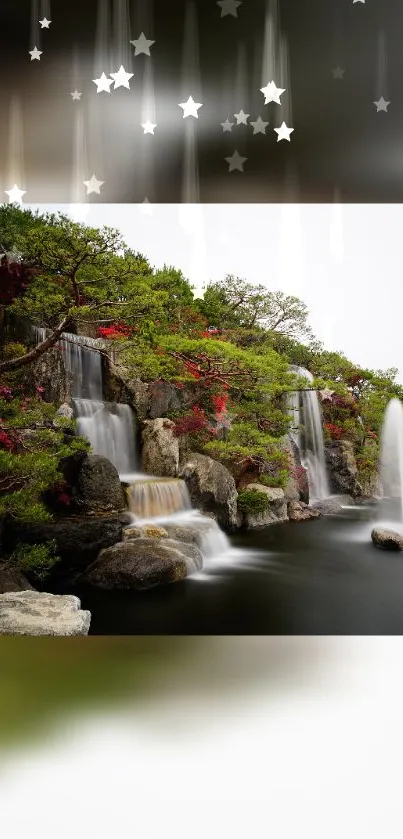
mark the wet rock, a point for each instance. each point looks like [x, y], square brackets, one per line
[11, 579]
[342, 468]
[333, 506]
[39, 613]
[298, 511]
[211, 488]
[275, 512]
[195, 533]
[98, 486]
[387, 539]
[137, 564]
[160, 451]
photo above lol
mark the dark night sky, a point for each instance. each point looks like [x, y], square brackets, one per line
[339, 139]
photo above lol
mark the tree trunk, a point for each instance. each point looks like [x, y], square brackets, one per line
[33, 355]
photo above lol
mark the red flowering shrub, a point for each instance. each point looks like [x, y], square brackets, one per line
[6, 393]
[5, 441]
[193, 423]
[335, 431]
[14, 280]
[116, 330]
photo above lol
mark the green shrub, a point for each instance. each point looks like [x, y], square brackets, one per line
[35, 560]
[278, 480]
[252, 501]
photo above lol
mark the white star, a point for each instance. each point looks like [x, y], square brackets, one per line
[227, 125]
[142, 45]
[283, 132]
[259, 127]
[358, 1]
[35, 54]
[326, 395]
[272, 93]
[190, 108]
[381, 105]
[241, 118]
[229, 7]
[93, 185]
[338, 73]
[45, 23]
[121, 78]
[235, 162]
[15, 194]
[148, 127]
[103, 84]
[76, 95]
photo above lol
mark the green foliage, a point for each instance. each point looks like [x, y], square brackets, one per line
[35, 561]
[278, 480]
[252, 501]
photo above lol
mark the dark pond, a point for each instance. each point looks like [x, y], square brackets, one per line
[312, 578]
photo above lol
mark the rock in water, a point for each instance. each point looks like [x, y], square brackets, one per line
[387, 539]
[275, 512]
[137, 564]
[98, 487]
[39, 613]
[211, 488]
[298, 511]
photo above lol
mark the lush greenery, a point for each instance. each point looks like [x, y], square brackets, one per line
[253, 501]
[228, 355]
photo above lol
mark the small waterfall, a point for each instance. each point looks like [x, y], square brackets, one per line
[157, 498]
[307, 433]
[391, 462]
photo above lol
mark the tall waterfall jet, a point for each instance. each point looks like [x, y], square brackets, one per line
[307, 433]
[391, 462]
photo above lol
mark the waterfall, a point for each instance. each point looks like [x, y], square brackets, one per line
[391, 462]
[153, 498]
[307, 433]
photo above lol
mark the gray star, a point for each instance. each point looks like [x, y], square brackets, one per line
[227, 125]
[235, 162]
[229, 7]
[338, 73]
[381, 105]
[142, 45]
[76, 95]
[241, 118]
[259, 127]
[35, 54]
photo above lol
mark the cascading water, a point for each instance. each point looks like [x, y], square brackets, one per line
[109, 428]
[391, 463]
[307, 433]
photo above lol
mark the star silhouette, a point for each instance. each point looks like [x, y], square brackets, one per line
[227, 125]
[15, 194]
[93, 185]
[229, 7]
[241, 118]
[45, 23]
[235, 162]
[272, 93]
[142, 45]
[35, 54]
[190, 108]
[76, 95]
[148, 127]
[121, 78]
[103, 84]
[381, 105]
[338, 73]
[259, 127]
[326, 395]
[283, 132]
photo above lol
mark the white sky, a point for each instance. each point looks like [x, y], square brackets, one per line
[344, 261]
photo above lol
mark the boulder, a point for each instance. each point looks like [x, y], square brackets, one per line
[137, 564]
[79, 539]
[11, 579]
[298, 511]
[342, 468]
[195, 534]
[97, 487]
[275, 512]
[389, 540]
[333, 506]
[39, 613]
[160, 448]
[65, 411]
[50, 373]
[211, 488]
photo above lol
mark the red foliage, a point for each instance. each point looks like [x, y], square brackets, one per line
[6, 393]
[192, 423]
[5, 441]
[220, 402]
[14, 280]
[116, 330]
[335, 431]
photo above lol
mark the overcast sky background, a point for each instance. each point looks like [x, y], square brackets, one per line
[345, 261]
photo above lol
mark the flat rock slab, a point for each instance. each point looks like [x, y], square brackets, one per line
[40, 613]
